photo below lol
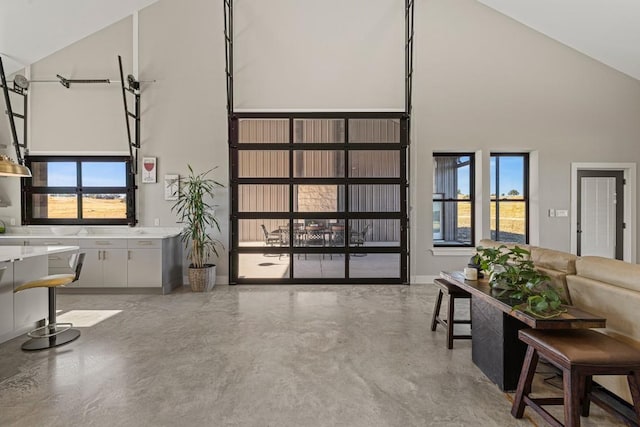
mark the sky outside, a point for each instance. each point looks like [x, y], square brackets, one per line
[511, 175]
[94, 174]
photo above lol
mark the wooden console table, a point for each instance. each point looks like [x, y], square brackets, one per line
[495, 348]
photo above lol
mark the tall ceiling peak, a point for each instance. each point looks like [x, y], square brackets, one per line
[33, 29]
[606, 30]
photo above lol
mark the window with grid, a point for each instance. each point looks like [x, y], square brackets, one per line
[510, 197]
[70, 190]
[453, 199]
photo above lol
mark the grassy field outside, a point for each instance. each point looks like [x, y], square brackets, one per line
[67, 207]
[512, 216]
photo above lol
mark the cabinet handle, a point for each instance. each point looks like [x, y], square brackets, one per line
[102, 243]
[145, 242]
[51, 243]
[99, 255]
[128, 255]
[104, 255]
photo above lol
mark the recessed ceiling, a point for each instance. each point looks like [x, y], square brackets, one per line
[33, 29]
[606, 30]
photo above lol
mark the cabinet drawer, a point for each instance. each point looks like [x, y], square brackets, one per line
[145, 243]
[60, 261]
[103, 243]
[52, 241]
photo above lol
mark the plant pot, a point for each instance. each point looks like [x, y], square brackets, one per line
[202, 279]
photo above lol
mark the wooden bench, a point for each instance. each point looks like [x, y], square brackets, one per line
[579, 354]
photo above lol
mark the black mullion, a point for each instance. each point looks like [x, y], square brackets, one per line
[322, 181]
[320, 115]
[234, 257]
[472, 198]
[403, 203]
[79, 188]
[497, 198]
[525, 190]
[355, 146]
[347, 207]
[291, 198]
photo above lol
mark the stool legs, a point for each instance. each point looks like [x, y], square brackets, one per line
[634, 386]
[436, 311]
[450, 321]
[571, 381]
[524, 383]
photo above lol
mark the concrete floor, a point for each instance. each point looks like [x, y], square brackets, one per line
[254, 356]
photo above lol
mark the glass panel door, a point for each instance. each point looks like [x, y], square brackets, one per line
[319, 198]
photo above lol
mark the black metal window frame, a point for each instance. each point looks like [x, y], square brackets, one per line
[471, 199]
[28, 190]
[525, 192]
[402, 215]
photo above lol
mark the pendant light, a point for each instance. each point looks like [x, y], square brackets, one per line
[10, 168]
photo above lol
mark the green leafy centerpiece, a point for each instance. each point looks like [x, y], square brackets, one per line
[513, 276]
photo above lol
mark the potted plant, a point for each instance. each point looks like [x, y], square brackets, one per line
[514, 276]
[196, 212]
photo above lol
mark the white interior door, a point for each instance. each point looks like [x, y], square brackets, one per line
[598, 216]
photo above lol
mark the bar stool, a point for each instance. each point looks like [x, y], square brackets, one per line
[453, 292]
[53, 334]
[579, 354]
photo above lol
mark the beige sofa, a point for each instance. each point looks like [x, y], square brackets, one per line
[602, 286]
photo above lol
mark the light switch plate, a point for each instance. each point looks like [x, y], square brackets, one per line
[562, 212]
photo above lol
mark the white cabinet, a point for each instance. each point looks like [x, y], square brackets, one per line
[31, 305]
[6, 298]
[105, 263]
[144, 263]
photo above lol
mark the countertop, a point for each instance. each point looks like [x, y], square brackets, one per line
[76, 232]
[13, 253]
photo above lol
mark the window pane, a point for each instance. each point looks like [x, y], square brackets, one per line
[374, 232]
[257, 266]
[319, 198]
[252, 232]
[374, 198]
[374, 130]
[263, 164]
[318, 233]
[318, 266]
[54, 206]
[374, 164]
[374, 265]
[263, 198]
[511, 177]
[318, 164]
[454, 223]
[512, 221]
[452, 176]
[54, 174]
[318, 130]
[263, 131]
[104, 206]
[104, 174]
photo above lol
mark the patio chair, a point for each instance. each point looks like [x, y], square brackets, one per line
[357, 238]
[272, 238]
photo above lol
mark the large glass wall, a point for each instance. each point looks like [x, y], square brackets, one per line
[319, 198]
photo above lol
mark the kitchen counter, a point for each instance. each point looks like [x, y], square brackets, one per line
[16, 253]
[76, 232]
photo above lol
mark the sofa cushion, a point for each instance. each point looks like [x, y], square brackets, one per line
[488, 243]
[554, 260]
[612, 271]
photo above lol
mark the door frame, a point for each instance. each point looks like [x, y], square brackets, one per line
[629, 214]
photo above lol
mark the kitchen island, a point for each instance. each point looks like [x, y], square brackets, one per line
[20, 312]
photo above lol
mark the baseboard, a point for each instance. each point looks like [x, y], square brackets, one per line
[220, 280]
[422, 280]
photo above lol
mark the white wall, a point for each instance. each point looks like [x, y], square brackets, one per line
[482, 82]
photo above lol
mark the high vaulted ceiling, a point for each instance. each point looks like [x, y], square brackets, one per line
[606, 30]
[33, 29]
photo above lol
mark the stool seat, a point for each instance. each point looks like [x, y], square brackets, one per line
[50, 281]
[582, 347]
[579, 354]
